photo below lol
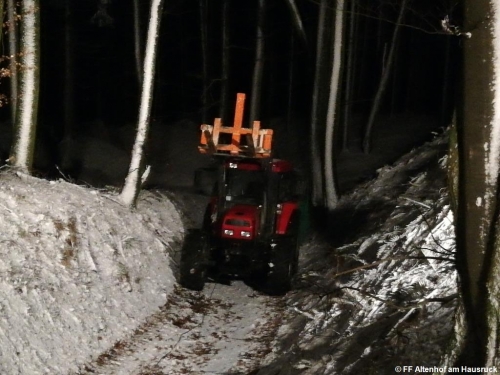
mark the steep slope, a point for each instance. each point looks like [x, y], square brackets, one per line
[78, 271]
[381, 291]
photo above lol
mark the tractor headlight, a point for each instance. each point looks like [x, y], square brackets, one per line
[228, 232]
[279, 208]
[246, 234]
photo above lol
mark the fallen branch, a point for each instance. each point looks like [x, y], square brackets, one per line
[390, 259]
[413, 305]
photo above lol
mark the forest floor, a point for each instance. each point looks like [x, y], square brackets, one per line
[88, 286]
[380, 290]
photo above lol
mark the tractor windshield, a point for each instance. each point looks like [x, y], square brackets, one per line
[243, 186]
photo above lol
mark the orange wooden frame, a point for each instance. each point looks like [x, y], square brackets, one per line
[258, 141]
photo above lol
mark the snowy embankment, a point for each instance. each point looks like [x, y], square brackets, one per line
[78, 271]
[382, 291]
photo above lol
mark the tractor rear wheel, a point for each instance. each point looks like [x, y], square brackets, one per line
[283, 266]
[193, 262]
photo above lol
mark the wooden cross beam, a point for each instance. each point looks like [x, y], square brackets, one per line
[258, 141]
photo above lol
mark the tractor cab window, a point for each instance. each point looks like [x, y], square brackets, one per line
[243, 186]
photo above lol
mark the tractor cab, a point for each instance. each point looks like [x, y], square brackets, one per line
[251, 224]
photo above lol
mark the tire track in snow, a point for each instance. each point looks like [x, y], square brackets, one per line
[223, 330]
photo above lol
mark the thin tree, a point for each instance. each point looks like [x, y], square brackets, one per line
[137, 40]
[291, 77]
[224, 97]
[349, 73]
[299, 27]
[258, 68]
[203, 8]
[68, 97]
[26, 119]
[331, 191]
[13, 57]
[131, 188]
[297, 21]
[317, 174]
[383, 81]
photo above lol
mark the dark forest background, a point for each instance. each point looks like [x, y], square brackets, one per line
[99, 88]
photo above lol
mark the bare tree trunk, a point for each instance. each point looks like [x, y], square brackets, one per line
[330, 173]
[258, 68]
[364, 73]
[478, 215]
[315, 149]
[297, 21]
[13, 55]
[291, 76]
[383, 81]
[225, 62]
[411, 73]
[349, 74]
[204, 58]
[394, 84]
[137, 40]
[25, 129]
[68, 99]
[131, 188]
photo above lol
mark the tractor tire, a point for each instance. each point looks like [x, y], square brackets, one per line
[283, 265]
[193, 268]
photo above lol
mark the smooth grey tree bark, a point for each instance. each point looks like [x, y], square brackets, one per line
[23, 147]
[331, 190]
[478, 212]
[133, 181]
[315, 148]
[138, 48]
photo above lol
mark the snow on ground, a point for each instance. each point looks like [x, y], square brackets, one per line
[86, 287]
[381, 291]
[78, 271]
[223, 330]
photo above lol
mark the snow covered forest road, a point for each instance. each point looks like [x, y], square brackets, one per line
[91, 287]
[222, 330]
[225, 329]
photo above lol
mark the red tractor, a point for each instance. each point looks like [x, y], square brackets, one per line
[251, 224]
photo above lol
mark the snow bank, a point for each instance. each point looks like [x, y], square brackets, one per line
[78, 271]
[385, 294]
